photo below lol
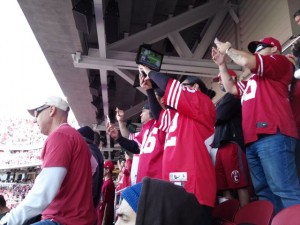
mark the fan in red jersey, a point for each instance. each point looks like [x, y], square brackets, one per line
[189, 123]
[148, 143]
[105, 208]
[268, 124]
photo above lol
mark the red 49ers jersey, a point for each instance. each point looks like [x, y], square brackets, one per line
[151, 141]
[190, 130]
[265, 98]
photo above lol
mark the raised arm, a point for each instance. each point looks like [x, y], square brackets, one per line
[153, 102]
[129, 145]
[159, 79]
[122, 124]
[227, 80]
[241, 58]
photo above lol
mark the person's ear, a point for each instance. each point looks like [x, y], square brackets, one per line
[274, 49]
[52, 110]
[196, 86]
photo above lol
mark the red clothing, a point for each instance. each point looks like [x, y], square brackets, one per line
[265, 98]
[73, 203]
[124, 180]
[151, 141]
[190, 132]
[295, 103]
[231, 167]
[139, 136]
[107, 200]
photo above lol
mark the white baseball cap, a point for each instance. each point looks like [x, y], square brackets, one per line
[56, 101]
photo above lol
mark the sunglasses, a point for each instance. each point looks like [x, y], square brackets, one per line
[39, 110]
[187, 84]
[262, 46]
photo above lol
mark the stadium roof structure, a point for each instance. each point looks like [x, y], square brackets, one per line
[91, 46]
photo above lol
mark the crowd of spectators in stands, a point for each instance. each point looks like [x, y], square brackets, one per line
[20, 142]
[14, 193]
[19, 133]
[20, 158]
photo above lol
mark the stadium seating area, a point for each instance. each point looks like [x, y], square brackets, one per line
[19, 134]
[20, 142]
[19, 158]
[14, 193]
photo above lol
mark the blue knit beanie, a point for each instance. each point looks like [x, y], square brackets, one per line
[132, 195]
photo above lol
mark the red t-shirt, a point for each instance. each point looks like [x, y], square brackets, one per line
[265, 98]
[190, 130]
[125, 180]
[73, 203]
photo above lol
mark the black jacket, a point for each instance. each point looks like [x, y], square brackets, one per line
[163, 203]
[228, 127]
[98, 175]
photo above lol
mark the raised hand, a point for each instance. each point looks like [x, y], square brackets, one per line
[120, 115]
[112, 131]
[144, 69]
[217, 57]
[222, 47]
[145, 83]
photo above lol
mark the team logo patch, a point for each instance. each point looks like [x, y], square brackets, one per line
[235, 176]
[178, 178]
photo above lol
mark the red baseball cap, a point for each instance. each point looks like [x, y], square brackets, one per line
[268, 41]
[230, 72]
[109, 165]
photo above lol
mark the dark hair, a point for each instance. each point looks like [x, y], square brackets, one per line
[147, 106]
[296, 48]
[296, 52]
[297, 13]
[87, 133]
[2, 201]
[129, 154]
[196, 80]
[159, 92]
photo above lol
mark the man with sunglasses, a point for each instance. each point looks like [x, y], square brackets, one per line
[267, 120]
[62, 192]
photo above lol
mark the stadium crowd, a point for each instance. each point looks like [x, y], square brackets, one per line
[18, 158]
[14, 193]
[12, 133]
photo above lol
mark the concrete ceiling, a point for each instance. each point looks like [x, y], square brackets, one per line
[91, 46]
